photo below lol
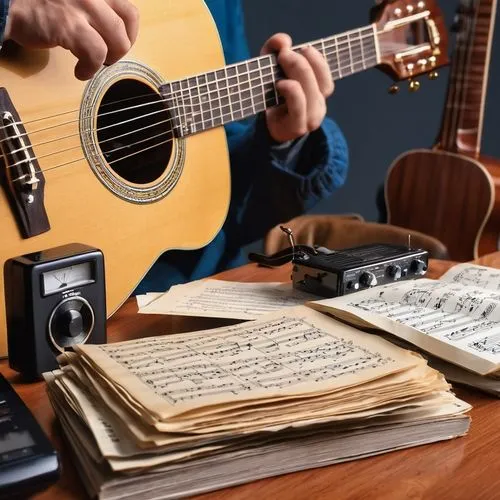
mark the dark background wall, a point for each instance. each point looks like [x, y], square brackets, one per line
[378, 126]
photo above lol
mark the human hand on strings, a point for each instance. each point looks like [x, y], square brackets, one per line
[97, 32]
[307, 84]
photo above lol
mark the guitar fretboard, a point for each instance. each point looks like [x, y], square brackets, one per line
[245, 89]
[463, 118]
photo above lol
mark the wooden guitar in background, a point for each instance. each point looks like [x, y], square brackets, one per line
[452, 192]
[135, 162]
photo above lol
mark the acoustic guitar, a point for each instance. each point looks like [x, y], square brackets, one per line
[452, 192]
[135, 161]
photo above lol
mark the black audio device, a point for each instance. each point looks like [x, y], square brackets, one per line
[54, 299]
[332, 273]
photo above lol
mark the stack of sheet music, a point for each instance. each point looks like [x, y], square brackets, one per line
[453, 321]
[173, 416]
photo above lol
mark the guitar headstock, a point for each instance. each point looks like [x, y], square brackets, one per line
[412, 38]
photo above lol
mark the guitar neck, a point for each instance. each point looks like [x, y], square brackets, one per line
[464, 113]
[245, 89]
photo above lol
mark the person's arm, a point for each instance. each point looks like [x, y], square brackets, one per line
[290, 157]
[4, 12]
[274, 182]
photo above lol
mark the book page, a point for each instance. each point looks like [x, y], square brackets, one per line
[225, 299]
[146, 299]
[122, 453]
[472, 275]
[460, 324]
[283, 355]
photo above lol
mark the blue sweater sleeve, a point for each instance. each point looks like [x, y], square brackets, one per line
[4, 10]
[272, 184]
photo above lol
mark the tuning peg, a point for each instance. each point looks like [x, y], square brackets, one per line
[393, 90]
[414, 85]
[433, 75]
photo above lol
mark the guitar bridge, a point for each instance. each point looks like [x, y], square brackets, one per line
[21, 175]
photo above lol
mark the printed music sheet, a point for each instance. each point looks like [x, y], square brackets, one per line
[473, 275]
[122, 453]
[282, 356]
[456, 318]
[224, 299]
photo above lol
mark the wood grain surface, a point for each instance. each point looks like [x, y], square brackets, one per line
[465, 468]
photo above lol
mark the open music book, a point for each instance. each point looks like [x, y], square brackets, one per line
[179, 415]
[456, 318]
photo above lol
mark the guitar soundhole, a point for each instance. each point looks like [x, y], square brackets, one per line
[134, 133]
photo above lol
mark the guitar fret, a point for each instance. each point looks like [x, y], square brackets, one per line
[271, 60]
[240, 93]
[337, 52]
[195, 101]
[224, 95]
[206, 107]
[188, 115]
[244, 87]
[178, 125]
[242, 90]
[251, 92]
[350, 52]
[363, 61]
[213, 89]
[262, 86]
[229, 95]
[232, 87]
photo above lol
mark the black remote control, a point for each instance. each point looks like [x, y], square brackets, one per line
[28, 462]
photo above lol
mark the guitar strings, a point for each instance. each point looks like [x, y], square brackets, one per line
[181, 116]
[468, 53]
[326, 45]
[170, 139]
[456, 91]
[169, 132]
[184, 94]
[450, 126]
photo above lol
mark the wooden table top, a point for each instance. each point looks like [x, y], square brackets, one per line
[465, 468]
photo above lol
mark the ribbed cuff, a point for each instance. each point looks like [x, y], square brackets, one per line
[4, 11]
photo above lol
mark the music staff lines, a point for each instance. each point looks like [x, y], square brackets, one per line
[277, 354]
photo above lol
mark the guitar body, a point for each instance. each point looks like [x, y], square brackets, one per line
[490, 237]
[194, 181]
[446, 195]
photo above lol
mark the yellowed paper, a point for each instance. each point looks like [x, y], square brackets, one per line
[279, 356]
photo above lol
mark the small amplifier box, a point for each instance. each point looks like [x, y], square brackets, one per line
[334, 273]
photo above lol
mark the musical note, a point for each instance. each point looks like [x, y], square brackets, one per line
[278, 353]
[489, 344]
[472, 275]
[224, 299]
[462, 315]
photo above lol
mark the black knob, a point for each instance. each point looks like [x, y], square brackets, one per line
[394, 272]
[71, 322]
[368, 279]
[418, 267]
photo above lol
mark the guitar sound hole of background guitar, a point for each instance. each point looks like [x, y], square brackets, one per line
[134, 132]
